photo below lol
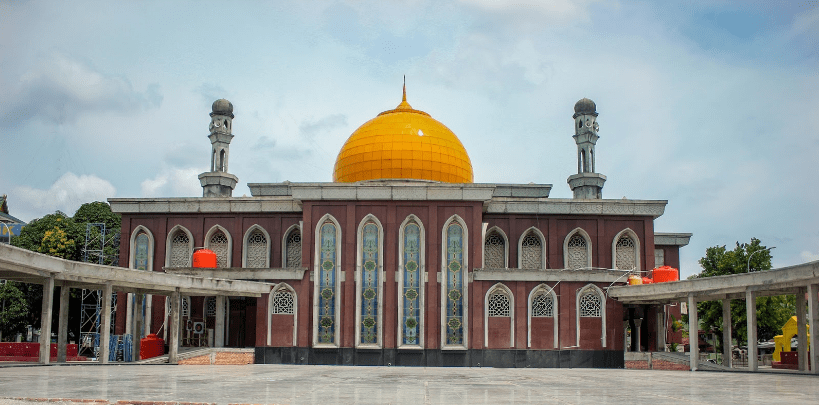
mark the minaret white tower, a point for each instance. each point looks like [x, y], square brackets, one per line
[218, 182]
[586, 184]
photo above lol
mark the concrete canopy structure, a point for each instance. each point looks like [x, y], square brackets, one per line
[801, 280]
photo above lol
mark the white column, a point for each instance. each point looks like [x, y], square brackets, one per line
[105, 321]
[219, 339]
[661, 329]
[802, 338]
[129, 313]
[638, 322]
[727, 329]
[62, 321]
[693, 332]
[750, 312]
[173, 323]
[813, 321]
[45, 321]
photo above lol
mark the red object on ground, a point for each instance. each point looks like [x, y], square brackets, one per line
[151, 346]
[204, 258]
[665, 274]
[30, 351]
[647, 280]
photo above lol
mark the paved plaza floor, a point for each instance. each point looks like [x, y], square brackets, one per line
[285, 384]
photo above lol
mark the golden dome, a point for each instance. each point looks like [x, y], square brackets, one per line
[403, 143]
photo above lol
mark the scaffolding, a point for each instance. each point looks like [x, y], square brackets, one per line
[91, 301]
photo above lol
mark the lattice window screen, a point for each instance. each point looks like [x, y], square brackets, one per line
[625, 254]
[211, 306]
[499, 304]
[294, 249]
[180, 250]
[256, 250]
[578, 252]
[542, 305]
[590, 305]
[219, 244]
[283, 303]
[531, 252]
[494, 252]
[186, 307]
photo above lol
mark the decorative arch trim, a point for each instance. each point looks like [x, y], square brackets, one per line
[248, 233]
[132, 247]
[336, 283]
[169, 242]
[503, 236]
[542, 238]
[450, 314]
[282, 287]
[499, 287]
[538, 290]
[211, 232]
[290, 230]
[405, 284]
[602, 296]
[379, 284]
[635, 239]
[584, 235]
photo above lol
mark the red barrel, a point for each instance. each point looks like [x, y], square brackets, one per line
[665, 274]
[151, 346]
[204, 258]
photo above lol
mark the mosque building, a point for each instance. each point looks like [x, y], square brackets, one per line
[404, 260]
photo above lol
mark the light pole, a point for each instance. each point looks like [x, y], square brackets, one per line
[752, 255]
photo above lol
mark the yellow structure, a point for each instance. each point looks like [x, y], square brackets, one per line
[783, 341]
[403, 143]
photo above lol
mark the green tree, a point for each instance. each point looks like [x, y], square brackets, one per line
[772, 312]
[13, 310]
[54, 234]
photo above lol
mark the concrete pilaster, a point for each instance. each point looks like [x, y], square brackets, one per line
[693, 332]
[219, 339]
[105, 321]
[813, 321]
[45, 321]
[139, 327]
[802, 337]
[173, 326]
[750, 312]
[62, 329]
[727, 330]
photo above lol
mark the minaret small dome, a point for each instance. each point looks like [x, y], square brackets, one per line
[585, 106]
[222, 107]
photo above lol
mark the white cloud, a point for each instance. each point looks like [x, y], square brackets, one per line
[173, 182]
[809, 256]
[67, 194]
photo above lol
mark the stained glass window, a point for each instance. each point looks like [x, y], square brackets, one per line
[256, 253]
[625, 253]
[180, 250]
[141, 252]
[578, 252]
[219, 244]
[454, 285]
[293, 249]
[370, 261]
[531, 252]
[494, 251]
[412, 285]
[327, 285]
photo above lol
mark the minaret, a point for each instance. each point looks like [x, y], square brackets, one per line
[218, 182]
[586, 184]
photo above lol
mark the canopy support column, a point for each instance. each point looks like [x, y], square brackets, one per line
[173, 320]
[693, 332]
[802, 337]
[750, 312]
[45, 321]
[105, 315]
[62, 322]
[727, 326]
[813, 321]
[219, 340]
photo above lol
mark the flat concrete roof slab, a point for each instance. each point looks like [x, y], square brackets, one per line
[285, 384]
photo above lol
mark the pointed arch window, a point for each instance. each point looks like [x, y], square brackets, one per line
[499, 305]
[411, 279]
[257, 248]
[531, 251]
[495, 250]
[577, 250]
[591, 303]
[142, 249]
[328, 262]
[455, 286]
[543, 304]
[283, 301]
[625, 249]
[499, 302]
[180, 248]
[368, 286]
[218, 240]
[292, 248]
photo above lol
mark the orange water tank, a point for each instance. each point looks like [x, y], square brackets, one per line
[665, 274]
[151, 346]
[204, 258]
[647, 280]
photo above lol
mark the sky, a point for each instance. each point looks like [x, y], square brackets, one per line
[711, 105]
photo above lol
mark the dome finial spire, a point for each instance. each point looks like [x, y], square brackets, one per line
[404, 98]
